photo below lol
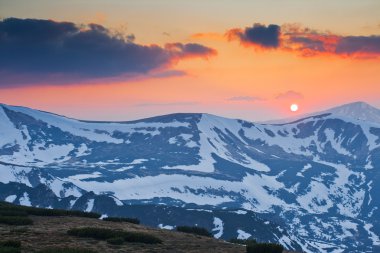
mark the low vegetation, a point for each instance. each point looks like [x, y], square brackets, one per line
[118, 219]
[194, 230]
[7, 208]
[254, 247]
[116, 240]
[264, 248]
[11, 214]
[66, 250]
[15, 220]
[243, 241]
[10, 246]
[114, 236]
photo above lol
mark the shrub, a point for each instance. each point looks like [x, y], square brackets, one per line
[105, 234]
[12, 213]
[66, 250]
[9, 250]
[7, 207]
[60, 212]
[194, 230]
[10, 246]
[264, 248]
[96, 233]
[243, 241]
[15, 220]
[116, 240]
[19, 230]
[117, 219]
[10, 243]
[141, 237]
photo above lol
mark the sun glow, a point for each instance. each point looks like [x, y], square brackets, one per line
[294, 107]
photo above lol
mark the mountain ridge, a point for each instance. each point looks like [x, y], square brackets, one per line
[316, 178]
[349, 107]
[355, 110]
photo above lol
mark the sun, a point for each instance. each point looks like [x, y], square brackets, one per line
[294, 107]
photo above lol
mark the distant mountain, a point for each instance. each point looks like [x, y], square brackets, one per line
[314, 181]
[357, 110]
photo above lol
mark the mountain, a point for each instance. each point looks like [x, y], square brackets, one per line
[357, 110]
[313, 181]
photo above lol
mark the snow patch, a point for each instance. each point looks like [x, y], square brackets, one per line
[218, 227]
[242, 234]
[167, 227]
[10, 198]
[375, 238]
[90, 205]
[24, 200]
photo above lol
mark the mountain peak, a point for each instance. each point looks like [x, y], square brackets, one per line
[357, 110]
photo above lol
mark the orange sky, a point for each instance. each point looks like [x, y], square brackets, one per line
[209, 84]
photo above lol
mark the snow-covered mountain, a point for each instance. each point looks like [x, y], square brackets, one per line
[357, 110]
[315, 178]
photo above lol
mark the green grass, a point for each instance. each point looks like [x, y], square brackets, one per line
[107, 234]
[194, 230]
[117, 219]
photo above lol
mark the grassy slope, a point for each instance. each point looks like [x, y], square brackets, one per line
[52, 232]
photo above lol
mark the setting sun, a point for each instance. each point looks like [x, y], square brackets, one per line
[294, 107]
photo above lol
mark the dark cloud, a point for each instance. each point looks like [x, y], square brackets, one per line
[313, 44]
[309, 43]
[305, 41]
[33, 50]
[258, 34]
[168, 73]
[358, 44]
[189, 50]
[290, 94]
[245, 98]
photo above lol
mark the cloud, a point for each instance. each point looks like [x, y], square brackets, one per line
[310, 43]
[290, 94]
[245, 98]
[35, 50]
[168, 73]
[180, 50]
[305, 41]
[358, 44]
[258, 34]
[208, 36]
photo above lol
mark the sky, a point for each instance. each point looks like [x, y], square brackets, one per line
[123, 60]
